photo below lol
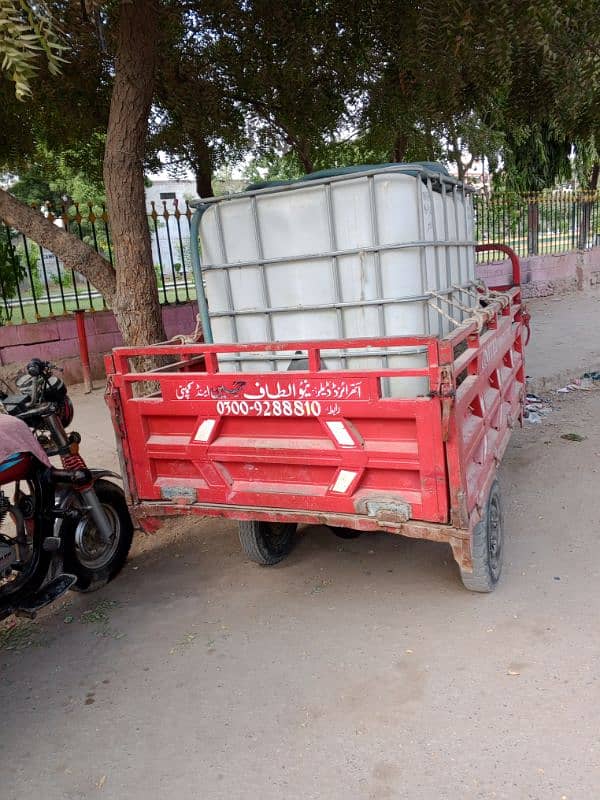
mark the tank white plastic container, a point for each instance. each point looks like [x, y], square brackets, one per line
[349, 255]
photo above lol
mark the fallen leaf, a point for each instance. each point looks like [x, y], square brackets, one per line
[101, 782]
[573, 437]
[513, 672]
[408, 651]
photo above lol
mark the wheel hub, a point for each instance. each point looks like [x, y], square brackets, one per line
[92, 552]
[276, 533]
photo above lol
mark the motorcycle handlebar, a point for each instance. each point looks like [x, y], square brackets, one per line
[37, 367]
[37, 411]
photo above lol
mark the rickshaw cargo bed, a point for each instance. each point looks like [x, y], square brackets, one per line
[276, 448]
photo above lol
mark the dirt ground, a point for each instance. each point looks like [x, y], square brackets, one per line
[356, 669]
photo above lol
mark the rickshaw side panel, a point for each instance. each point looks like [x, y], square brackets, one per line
[489, 389]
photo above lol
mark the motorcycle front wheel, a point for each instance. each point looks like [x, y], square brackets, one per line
[93, 562]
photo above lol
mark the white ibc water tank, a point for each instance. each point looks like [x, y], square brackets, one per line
[352, 254]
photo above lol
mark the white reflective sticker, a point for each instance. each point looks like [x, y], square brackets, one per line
[343, 481]
[340, 431]
[204, 431]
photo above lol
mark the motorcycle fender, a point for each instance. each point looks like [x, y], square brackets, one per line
[104, 473]
[66, 497]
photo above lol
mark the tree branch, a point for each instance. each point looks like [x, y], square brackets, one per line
[74, 253]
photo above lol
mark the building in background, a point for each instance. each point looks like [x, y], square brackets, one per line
[170, 231]
[167, 190]
[477, 175]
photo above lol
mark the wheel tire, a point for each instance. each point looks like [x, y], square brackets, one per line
[267, 543]
[487, 546]
[344, 533]
[37, 567]
[89, 576]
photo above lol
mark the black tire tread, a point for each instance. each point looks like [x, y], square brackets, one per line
[256, 548]
[345, 533]
[10, 597]
[481, 580]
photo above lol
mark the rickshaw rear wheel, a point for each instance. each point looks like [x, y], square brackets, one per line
[487, 546]
[344, 533]
[267, 543]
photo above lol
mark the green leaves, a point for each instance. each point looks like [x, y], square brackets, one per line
[12, 271]
[305, 85]
[26, 32]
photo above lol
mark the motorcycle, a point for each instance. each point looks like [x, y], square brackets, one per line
[71, 527]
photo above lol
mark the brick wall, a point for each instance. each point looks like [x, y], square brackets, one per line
[56, 339]
[549, 274]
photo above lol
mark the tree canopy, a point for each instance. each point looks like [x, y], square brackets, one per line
[320, 84]
[287, 88]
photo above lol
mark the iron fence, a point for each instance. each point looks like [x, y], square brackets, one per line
[538, 224]
[35, 284]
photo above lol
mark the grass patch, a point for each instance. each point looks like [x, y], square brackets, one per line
[18, 636]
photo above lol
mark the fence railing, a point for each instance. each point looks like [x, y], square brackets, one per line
[35, 284]
[538, 224]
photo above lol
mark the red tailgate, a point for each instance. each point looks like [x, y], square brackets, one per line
[310, 441]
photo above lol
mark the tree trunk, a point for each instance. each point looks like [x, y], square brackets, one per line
[204, 181]
[74, 253]
[203, 169]
[587, 204]
[461, 168]
[303, 152]
[131, 290]
[399, 149]
[594, 177]
[135, 304]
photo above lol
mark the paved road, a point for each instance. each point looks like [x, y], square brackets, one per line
[356, 669]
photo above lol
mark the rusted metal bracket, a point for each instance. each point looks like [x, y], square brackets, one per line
[447, 393]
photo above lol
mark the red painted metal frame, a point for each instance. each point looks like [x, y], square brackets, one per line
[487, 384]
[419, 466]
[84, 352]
[516, 279]
[514, 259]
